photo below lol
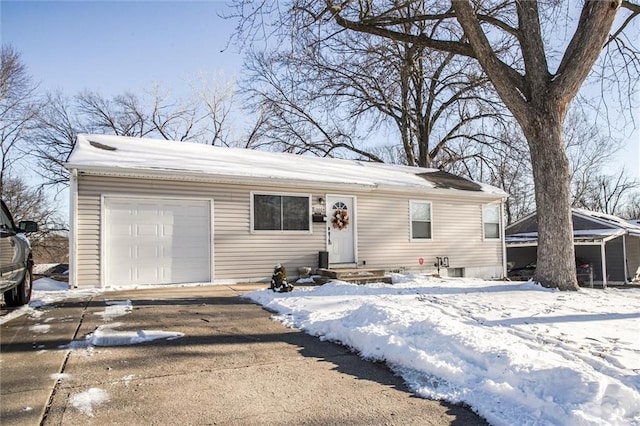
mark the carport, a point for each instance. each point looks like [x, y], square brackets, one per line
[610, 244]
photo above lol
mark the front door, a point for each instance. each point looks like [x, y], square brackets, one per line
[340, 229]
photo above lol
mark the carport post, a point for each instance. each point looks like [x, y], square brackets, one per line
[624, 253]
[604, 263]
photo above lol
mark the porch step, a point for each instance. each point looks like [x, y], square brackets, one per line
[354, 275]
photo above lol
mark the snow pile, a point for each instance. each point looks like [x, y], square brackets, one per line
[115, 309]
[48, 284]
[515, 352]
[108, 336]
[85, 401]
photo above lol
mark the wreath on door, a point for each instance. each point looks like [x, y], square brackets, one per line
[340, 219]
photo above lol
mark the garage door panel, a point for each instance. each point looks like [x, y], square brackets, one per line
[157, 241]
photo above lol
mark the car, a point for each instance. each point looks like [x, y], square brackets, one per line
[16, 259]
[584, 272]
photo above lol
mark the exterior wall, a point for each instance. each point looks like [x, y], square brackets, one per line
[382, 221]
[633, 256]
[581, 223]
[530, 224]
[384, 235]
[527, 225]
[614, 253]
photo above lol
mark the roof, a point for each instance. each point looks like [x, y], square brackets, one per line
[141, 157]
[615, 227]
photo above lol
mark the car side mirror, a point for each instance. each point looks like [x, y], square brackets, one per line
[28, 226]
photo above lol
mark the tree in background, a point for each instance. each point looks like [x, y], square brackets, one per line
[536, 77]
[18, 108]
[27, 203]
[201, 118]
[332, 95]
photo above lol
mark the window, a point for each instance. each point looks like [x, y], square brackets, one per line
[491, 221]
[420, 220]
[280, 213]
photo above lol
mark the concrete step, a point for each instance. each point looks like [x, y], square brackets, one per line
[355, 275]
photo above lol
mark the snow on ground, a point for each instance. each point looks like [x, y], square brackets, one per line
[87, 400]
[517, 353]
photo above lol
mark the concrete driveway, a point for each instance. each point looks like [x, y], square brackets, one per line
[232, 366]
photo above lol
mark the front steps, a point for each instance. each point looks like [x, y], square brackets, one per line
[354, 275]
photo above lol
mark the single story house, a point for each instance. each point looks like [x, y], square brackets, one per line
[610, 244]
[149, 211]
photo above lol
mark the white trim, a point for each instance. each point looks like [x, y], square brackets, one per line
[484, 237]
[624, 258]
[504, 245]
[104, 196]
[281, 231]
[430, 203]
[73, 228]
[603, 259]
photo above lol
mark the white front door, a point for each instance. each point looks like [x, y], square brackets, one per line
[341, 221]
[156, 241]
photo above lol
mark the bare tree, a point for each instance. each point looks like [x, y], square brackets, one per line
[27, 203]
[17, 109]
[201, 119]
[607, 193]
[535, 80]
[346, 86]
[631, 210]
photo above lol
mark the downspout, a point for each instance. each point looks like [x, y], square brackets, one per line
[73, 231]
[504, 243]
[604, 263]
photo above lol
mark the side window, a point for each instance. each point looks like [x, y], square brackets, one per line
[280, 213]
[491, 221]
[421, 224]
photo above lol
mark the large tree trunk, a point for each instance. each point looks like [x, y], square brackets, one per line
[556, 258]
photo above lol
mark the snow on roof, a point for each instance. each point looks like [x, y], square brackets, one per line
[578, 235]
[630, 226]
[140, 155]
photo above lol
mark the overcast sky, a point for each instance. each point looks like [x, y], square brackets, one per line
[117, 46]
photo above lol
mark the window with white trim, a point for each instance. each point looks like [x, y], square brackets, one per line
[491, 221]
[420, 220]
[281, 212]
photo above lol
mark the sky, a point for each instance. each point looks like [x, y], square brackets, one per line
[116, 46]
[514, 352]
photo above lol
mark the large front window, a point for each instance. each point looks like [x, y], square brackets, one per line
[420, 220]
[280, 213]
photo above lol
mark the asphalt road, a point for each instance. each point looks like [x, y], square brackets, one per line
[233, 366]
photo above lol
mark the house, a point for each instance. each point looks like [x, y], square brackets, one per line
[151, 212]
[610, 244]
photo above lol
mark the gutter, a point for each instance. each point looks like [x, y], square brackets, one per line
[186, 176]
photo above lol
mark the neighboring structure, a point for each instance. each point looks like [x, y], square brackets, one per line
[150, 212]
[610, 244]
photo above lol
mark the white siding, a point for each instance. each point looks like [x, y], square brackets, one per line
[384, 234]
[382, 225]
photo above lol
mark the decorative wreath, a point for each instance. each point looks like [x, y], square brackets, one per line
[340, 219]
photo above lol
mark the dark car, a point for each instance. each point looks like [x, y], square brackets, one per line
[16, 261]
[584, 272]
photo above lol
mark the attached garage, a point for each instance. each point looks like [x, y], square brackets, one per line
[156, 241]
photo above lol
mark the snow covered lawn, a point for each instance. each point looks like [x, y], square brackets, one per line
[516, 353]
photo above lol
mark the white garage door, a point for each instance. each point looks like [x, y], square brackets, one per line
[157, 241]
